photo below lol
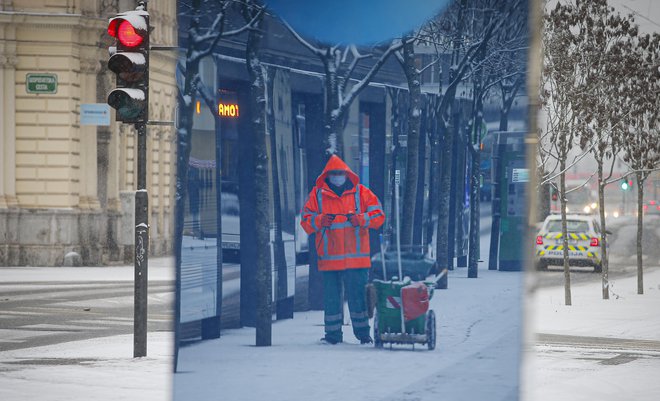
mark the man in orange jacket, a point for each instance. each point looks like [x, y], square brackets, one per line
[341, 211]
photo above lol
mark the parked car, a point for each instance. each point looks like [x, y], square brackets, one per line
[584, 236]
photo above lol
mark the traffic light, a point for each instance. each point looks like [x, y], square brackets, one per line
[129, 60]
[625, 185]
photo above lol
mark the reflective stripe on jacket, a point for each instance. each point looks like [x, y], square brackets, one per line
[342, 246]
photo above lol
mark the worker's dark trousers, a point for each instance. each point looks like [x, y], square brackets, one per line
[354, 281]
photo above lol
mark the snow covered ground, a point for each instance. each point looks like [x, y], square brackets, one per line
[477, 355]
[595, 349]
[99, 369]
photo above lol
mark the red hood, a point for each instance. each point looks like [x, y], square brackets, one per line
[336, 163]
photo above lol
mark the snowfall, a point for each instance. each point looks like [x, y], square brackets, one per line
[478, 355]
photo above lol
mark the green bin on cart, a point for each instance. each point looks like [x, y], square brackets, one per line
[389, 325]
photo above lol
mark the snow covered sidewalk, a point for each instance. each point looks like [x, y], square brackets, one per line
[595, 349]
[99, 369]
[476, 358]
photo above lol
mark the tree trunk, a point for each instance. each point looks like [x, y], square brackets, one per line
[434, 180]
[603, 239]
[564, 232]
[474, 243]
[263, 277]
[395, 123]
[444, 172]
[412, 163]
[640, 230]
[333, 123]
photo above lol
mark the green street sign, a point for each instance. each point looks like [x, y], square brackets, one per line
[41, 83]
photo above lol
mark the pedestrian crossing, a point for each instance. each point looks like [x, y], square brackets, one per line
[34, 314]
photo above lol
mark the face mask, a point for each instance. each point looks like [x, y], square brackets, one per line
[337, 180]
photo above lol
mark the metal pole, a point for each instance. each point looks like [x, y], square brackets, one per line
[382, 256]
[397, 179]
[141, 254]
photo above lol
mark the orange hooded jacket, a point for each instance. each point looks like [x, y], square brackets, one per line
[342, 246]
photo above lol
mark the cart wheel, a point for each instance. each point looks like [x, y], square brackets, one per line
[430, 329]
[378, 343]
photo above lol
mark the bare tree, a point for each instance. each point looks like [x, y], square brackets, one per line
[641, 146]
[454, 34]
[605, 38]
[407, 59]
[507, 71]
[253, 11]
[560, 76]
[339, 64]
[500, 63]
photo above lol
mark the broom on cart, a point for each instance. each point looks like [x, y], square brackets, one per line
[402, 314]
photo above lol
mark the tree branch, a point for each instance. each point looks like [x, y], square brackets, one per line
[317, 51]
[357, 88]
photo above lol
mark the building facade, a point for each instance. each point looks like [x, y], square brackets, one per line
[67, 187]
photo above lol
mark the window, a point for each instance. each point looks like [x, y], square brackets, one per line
[573, 226]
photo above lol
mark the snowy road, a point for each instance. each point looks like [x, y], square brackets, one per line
[601, 343]
[44, 306]
[622, 254]
[595, 349]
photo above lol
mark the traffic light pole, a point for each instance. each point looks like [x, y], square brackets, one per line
[129, 60]
[141, 261]
[141, 265]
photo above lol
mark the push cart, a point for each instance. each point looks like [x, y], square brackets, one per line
[402, 313]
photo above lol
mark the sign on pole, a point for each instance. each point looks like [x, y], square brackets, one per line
[95, 114]
[520, 175]
[41, 83]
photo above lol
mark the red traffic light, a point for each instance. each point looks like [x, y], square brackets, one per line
[127, 35]
[130, 28]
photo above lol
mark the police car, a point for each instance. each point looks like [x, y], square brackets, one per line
[584, 236]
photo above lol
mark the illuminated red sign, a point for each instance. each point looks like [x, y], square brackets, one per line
[228, 110]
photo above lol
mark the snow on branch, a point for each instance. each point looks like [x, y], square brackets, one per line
[319, 52]
[357, 88]
[250, 25]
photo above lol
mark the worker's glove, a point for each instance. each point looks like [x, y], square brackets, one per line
[357, 220]
[326, 220]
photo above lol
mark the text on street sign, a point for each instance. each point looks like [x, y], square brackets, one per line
[41, 83]
[520, 175]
